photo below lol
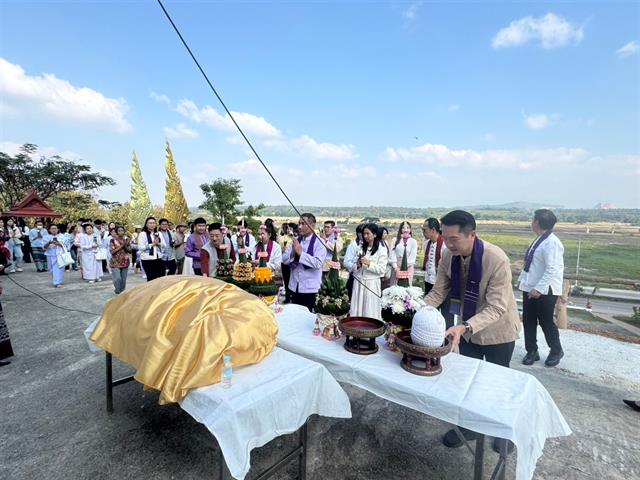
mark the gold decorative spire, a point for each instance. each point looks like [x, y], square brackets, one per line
[176, 209]
[141, 206]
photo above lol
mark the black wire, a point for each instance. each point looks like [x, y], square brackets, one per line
[215, 92]
[51, 303]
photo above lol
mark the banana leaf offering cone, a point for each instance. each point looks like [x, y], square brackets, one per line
[263, 283]
[243, 270]
[333, 298]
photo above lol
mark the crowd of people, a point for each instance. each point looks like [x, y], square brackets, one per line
[463, 275]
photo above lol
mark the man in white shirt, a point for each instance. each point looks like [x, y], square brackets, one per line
[541, 284]
[331, 238]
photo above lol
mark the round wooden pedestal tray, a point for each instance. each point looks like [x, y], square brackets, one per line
[419, 360]
[361, 334]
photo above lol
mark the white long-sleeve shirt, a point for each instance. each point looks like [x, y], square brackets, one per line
[350, 260]
[547, 268]
[377, 264]
[412, 252]
[145, 247]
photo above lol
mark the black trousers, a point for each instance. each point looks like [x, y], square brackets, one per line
[350, 285]
[170, 266]
[540, 311]
[305, 299]
[153, 269]
[444, 308]
[499, 354]
[286, 274]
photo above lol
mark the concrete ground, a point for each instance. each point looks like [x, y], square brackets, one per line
[54, 424]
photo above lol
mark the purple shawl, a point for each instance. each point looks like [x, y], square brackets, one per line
[296, 259]
[528, 257]
[472, 288]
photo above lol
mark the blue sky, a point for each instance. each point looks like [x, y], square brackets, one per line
[350, 103]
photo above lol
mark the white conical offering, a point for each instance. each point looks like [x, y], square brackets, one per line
[428, 328]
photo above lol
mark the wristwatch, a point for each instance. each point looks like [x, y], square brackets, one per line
[467, 328]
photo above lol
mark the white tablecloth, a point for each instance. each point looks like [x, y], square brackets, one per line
[474, 394]
[266, 400]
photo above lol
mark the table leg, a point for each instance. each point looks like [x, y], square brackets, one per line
[500, 472]
[225, 474]
[503, 456]
[478, 462]
[302, 462]
[109, 370]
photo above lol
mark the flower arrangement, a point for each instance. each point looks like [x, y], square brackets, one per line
[263, 283]
[332, 302]
[333, 299]
[401, 301]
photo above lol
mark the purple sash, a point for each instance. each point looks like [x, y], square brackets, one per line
[260, 248]
[296, 259]
[472, 288]
[528, 257]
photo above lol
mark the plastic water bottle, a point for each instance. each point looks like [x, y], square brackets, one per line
[227, 372]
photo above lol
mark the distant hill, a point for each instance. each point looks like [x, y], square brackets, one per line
[524, 206]
[514, 211]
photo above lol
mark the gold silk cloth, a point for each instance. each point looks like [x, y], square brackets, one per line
[175, 330]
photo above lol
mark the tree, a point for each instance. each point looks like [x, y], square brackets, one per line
[222, 197]
[176, 209]
[22, 173]
[75, 205]
[140, 204]
[249, 214]
[119, 214]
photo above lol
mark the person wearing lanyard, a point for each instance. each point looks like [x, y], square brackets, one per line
[541, 284]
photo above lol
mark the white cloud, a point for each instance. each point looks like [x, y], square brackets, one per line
[181, 131]
[524, 159]
[537, 121]
[13, 148]
[453, 108]
[411, 12]
[342, 171]
[251, 124]
[253, 167]
[629, 49]
[161, 98]
[551, 31]
[304, 146]
[49, 96]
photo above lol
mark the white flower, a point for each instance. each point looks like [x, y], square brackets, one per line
[397, 307]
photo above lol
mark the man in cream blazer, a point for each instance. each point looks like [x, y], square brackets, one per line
[483, 284]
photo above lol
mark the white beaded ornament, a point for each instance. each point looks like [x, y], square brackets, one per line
[428, 327]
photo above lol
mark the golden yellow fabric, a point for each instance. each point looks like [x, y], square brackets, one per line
[175, 330]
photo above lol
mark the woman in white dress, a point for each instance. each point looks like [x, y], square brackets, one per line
[372, 264]
[404, 242]
[91, 267]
